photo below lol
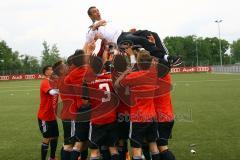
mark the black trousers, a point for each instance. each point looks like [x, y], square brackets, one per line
[140, 38]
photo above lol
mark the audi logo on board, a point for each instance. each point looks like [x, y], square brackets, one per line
[4, 78]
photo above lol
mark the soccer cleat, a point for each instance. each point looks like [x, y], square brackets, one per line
[174, 61]
[52, 158]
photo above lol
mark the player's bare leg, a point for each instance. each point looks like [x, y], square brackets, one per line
[123, 149]
[95, 154]
[162, 148]
[114, 153]
[77, 148]
[137, 153]
[154, 151]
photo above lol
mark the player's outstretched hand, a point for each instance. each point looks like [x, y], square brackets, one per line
[98, 24]
[174, 60]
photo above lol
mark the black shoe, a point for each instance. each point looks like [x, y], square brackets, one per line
[174, 61]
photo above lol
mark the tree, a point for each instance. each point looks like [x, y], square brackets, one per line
[14, 63]
[213, 49]
[183, 46]
[49, 56]
[5, 55]
[30, 64]
[235, 50]
[190, 47]
[9, 60]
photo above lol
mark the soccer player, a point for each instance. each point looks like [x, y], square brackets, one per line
[75, 79]
[69, 107]
[142, 112]
[46, 115]
[120, 65]
[103, 126]
[165, 118]
[164, 111]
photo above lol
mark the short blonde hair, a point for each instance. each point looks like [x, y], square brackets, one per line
[144, 60]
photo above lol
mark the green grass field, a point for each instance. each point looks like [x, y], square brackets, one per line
[207, 109]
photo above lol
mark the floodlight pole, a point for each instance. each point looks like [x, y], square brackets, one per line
[197, 52]
[219, 38]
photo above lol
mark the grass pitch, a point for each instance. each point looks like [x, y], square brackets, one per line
[207, 109]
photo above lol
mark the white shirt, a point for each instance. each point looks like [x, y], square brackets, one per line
[108, 32]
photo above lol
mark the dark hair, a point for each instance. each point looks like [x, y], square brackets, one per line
[45, 68]
[96, 64]
[119, 63]
[89, 10]
[108, 66]
[70, 60]
[144, 60]
[78, 58]
[55, 67]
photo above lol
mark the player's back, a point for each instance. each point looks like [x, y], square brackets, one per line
[69, 101]
[163, 103]
[142, 86]
[102, 99]
[76, 78]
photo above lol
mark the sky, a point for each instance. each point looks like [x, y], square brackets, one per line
[25, 24]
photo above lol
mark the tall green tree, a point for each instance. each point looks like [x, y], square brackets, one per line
[235, 50]
[9, 60]
[49, 54]
[30, 64]
[191, 48]
[5, 55]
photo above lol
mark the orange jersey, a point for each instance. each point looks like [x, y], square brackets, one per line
[123, 107]
[103, 101]
[142, 86]
[75, 79]
[69, 101]
[48, 103]
[163, 104]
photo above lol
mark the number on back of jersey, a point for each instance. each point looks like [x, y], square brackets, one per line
[107, 92]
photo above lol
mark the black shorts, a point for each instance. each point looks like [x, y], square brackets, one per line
[84, 113]
[164, 132]
[103, 135]
[82, 124]
[68, 132]
[81, 131]
[123, 126]
[48, 129]
[142, 132]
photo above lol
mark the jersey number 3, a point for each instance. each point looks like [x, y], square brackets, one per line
[107, 92]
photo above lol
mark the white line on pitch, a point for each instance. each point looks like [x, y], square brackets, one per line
[210, 80]
[18, 90]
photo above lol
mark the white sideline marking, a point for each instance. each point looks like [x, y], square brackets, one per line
[19, 86]
[18, 90]
[225, 73]
[210, 80]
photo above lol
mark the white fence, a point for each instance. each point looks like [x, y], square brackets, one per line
[226, 69]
